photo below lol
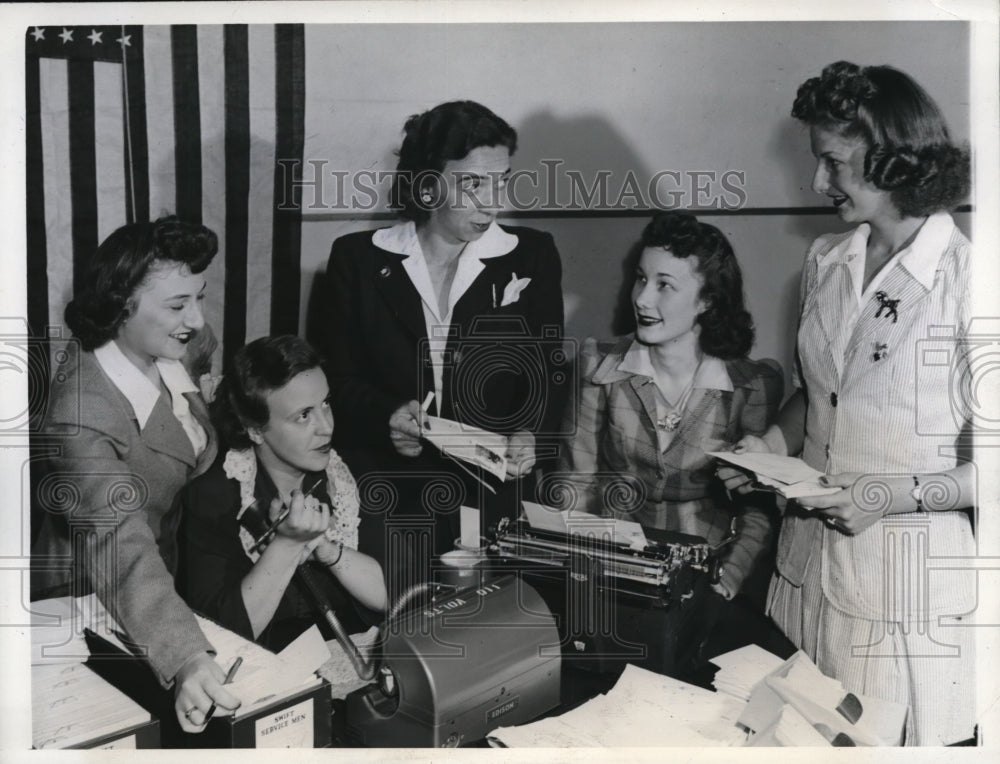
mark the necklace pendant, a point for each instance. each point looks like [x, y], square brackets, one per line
[669, 422]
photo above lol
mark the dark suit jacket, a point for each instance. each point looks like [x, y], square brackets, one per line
[378, 349]
[112, 483]
[503, 366]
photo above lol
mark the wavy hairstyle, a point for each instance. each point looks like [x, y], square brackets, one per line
[446, 132]
[910, 153]
[121, 265]
[727, 330]
[262, 366]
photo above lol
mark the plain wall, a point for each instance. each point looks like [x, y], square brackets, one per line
[639, 97]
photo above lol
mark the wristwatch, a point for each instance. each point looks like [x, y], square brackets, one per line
[916, 493]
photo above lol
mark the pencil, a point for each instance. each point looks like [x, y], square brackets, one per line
[230, 675]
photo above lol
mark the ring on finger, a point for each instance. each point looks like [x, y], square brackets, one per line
[187, 714]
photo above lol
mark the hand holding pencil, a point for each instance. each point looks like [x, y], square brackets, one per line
[406, 427]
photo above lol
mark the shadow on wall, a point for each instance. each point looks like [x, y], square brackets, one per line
[587, 171]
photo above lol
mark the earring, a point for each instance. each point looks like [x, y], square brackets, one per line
[425, 197]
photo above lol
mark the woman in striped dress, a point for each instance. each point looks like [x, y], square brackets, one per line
[853, 587]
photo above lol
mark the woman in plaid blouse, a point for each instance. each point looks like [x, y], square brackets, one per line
[654, 403]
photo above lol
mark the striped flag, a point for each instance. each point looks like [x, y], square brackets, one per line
[128, 123]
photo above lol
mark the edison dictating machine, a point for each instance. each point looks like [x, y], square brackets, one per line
[452, 671]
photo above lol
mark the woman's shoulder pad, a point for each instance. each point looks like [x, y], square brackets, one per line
[749, 369]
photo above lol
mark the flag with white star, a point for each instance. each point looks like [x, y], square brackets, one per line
[88, 43]
[129, 123]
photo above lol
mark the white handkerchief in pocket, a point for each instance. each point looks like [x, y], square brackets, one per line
[512, 292]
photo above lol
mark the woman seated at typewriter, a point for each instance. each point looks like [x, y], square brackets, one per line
[280, 473]
[654, 403]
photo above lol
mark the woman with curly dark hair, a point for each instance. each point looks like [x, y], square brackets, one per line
[654, 403]
[447, 301]
[851, 587]
[131, 429]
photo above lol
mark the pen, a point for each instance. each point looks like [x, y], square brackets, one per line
[230, 675]
[267, 535]
[426, 405]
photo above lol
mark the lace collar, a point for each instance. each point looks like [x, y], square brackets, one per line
[241, 466]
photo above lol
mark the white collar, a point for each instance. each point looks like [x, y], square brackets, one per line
[920, 258]
[711, 374]
[135, 386]
[402, 239]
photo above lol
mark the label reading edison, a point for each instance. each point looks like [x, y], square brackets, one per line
[504, 708]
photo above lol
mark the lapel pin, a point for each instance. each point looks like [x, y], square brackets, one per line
[385, 271]
[880, 351]
[887, 304]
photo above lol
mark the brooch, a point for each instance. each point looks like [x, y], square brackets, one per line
[669, 422]
[887, 304]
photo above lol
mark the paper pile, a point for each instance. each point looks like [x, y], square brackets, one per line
[740, 670]
[264, 676]
[840, 717]
[71, 705]
[642, 709]
[57, 628]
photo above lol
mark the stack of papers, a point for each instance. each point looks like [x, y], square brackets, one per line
[837, 715]
[789, 729]
[740, 670]
[265, 677]
[71, 705]
[57, 628]
[787, 475]
[643, 709]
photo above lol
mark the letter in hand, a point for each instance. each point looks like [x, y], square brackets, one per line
[198, 687]
[520, 454]
[734, 478]
[405, 429]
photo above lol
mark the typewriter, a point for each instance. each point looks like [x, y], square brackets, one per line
[614, 603]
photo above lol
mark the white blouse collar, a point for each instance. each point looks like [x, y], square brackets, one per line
[140, 392]
[920, 259]
[402, 240]
[711, 374]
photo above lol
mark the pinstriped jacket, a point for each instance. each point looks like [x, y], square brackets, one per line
[614, 437]
[884, 406]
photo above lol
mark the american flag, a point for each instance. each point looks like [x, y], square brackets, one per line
[127, 123]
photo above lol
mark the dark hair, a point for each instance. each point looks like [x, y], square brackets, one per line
[264, 365]
[446, 132]
[120, 266]
[910, 153]
[726, 325]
